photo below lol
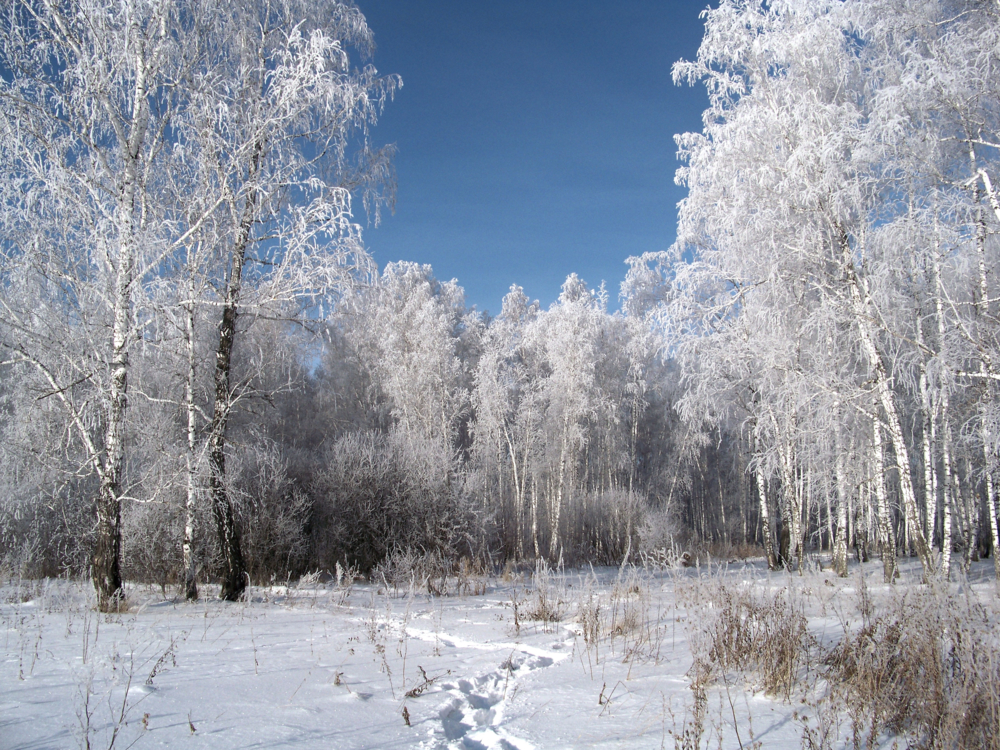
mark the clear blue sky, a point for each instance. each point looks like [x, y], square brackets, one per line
[535, 138]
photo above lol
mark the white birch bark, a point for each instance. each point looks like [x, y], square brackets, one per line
[862, 319]
[190, 580]
[840, 543]
[886, 535]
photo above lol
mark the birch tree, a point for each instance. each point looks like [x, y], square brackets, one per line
[89, 93]
[271, 123]
[136, 132]
[413, 330]
[840, 193]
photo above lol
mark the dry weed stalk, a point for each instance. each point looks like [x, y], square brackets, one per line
[924, 666]
[548, 602]
[762, 637]
[921, 667]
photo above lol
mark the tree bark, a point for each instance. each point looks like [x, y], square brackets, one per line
[190, 578]
[106, 560]
[234, 574]
[840, 541]
[765, 518]
[862, 316]
[991, 508]
[886, 534]
[234, 570]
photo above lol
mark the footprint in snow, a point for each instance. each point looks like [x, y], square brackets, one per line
[472, 716]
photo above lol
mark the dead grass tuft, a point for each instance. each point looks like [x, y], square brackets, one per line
[926, 667]
[761, 636]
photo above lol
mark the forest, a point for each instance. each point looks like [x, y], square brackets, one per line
[204, 378]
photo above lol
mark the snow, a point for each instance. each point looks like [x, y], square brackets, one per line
[328, 667]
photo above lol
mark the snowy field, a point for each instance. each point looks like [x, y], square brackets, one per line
[595, 659]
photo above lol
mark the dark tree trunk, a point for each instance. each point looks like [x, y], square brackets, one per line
[234, 577]
[234, 571]
[784, 545]
[106, 561]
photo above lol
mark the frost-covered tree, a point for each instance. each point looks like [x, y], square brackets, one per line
[89, 95]
[214, 142]
[506, 403]
[272, 120]
[836, 235]
[417, 337]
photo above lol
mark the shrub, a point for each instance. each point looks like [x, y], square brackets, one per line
[274, 515]
[926, 667]
[381, 493]
[762, 637]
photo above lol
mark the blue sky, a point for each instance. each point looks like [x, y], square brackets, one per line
[535, 139]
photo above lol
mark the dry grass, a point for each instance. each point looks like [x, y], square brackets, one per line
[762, 637]
[924, 666]
[547, 600]
[919, 666]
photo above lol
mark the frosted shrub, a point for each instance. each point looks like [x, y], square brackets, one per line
[274, 515]
[923, 666]
[607, 526]
[547, 603]
[151, 542]
[403, 568]
[46, 535]
[383, 493]
[760, 637]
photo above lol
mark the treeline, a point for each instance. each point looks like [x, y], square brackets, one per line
[209, 380]
[411, 425]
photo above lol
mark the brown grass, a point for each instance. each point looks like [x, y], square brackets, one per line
[922, 665]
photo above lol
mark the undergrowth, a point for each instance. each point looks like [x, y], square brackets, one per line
[918, 666]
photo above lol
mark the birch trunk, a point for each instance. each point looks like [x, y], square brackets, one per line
[863, 318]
[947, 480]
[518, 495]
[190, 578]
[948, 494]
[840, 543]
[792, 507]
[554, 544]
[930, 471]
[886, 533]
[765, 517]
[991, 507]
[534, 514]
[234, 576]
[106, 560]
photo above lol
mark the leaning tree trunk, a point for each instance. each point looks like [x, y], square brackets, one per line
[886, 534]
[947, 479]
[766, 523]
[982, 314]
[883, 390]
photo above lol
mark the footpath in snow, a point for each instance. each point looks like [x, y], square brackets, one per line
[576, 659]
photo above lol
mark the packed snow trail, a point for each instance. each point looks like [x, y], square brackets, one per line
[473, 715]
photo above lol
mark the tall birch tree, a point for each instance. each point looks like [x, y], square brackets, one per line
[89, 94]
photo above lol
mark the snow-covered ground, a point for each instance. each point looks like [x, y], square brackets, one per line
[362, 667]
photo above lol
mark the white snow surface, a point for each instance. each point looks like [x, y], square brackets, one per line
[334, 667]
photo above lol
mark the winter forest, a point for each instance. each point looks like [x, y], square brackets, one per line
[208, 387]
[205, 377]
